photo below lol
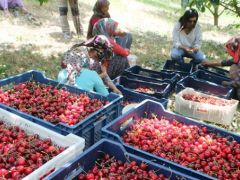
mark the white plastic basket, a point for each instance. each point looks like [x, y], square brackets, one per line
[208, 112]
[74, 143]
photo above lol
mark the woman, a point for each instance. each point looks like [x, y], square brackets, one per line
[187, 39]
[63, 10]
[93, 56]
[119, 61]
[76, 73]
[233, 49]
[100, 11]
[6, 4]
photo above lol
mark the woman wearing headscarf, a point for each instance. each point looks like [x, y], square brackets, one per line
[63, 10]
[100, 10]
[109, 28]
[233, 48]
[90, 55]
[76, 73]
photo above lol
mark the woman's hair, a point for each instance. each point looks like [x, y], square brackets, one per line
[190, 13]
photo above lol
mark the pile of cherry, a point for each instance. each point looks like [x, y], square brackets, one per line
[207, 100]
[109, 168]
[145, 90]
[187, 145]
[21, 154]
[49, 103]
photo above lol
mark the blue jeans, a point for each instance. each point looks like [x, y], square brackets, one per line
[178, 55]
[125, 41]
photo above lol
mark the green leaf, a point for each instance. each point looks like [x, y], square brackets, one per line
[214, 2]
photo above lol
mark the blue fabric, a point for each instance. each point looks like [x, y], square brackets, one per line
[87, 80]
[178, 55]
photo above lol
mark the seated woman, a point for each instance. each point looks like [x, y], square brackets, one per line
[92, 54]
[187, 39]
[76, 74]
[119, 62]
[6, 4]
[100, 11]
[233, 49]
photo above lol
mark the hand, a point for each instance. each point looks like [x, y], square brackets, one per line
[78, 68]
[189, 50]
[117, 91]
[195, 50]
[225, 83]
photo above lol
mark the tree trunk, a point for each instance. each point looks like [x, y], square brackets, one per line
[216, 15]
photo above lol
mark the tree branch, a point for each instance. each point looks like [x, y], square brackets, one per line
[210, 9]
[227, 6]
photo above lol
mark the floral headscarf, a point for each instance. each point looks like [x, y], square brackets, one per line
[97, 8]
[78, 55]
[233, 48]
[106, 27]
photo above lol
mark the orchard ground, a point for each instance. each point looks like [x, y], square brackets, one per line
[36, 43]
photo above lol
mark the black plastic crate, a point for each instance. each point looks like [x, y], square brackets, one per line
[137, 72]
[205, 87]
[210, 77]
[162, 90]
[183, 70]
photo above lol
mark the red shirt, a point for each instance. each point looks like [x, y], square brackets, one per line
[119, 50]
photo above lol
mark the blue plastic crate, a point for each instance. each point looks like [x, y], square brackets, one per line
[162, 90]
[86, 161]
[137, 72]
[183, 69]
[215, 70]
[136, 97]
[89, 128]
[205, 87]
[115, 130]
[203, 75]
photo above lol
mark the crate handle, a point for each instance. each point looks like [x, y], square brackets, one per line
[100, 119]
[126, 123]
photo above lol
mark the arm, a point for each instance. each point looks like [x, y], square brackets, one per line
[198, 41]
[233, 83]
[218, 63]
[119, 50]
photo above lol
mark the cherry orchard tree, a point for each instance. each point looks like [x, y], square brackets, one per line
[215, 7]
[42, 1]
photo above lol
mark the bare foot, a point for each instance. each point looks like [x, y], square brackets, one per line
[6, 13]
[24, 10]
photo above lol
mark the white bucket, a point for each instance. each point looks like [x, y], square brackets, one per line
[132, 60]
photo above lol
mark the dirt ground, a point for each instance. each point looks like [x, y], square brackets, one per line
[44, 32]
